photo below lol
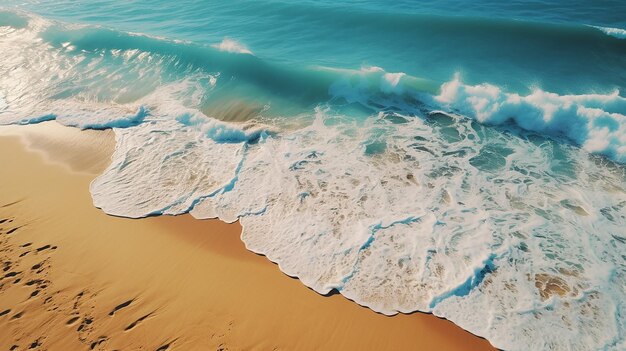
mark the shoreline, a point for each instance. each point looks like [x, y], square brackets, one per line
[160, 282]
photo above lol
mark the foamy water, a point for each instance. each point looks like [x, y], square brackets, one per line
[501, 210]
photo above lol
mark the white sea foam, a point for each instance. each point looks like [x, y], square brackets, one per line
[180, 148]
[232, 46]
[597, 122]
[361, 85]
[614, 32]
[476, 226]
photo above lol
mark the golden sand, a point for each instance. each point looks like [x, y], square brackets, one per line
[74, 278]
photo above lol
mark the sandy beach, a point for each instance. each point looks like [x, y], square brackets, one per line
[74, 278]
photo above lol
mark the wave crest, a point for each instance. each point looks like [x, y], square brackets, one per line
[597, 122]
[232, 46]
[614, 32]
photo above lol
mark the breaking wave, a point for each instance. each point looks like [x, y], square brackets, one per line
[614, 32]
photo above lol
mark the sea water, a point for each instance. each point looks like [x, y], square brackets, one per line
[460, 158]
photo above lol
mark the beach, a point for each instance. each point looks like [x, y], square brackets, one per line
[75, 278]
[312, 175]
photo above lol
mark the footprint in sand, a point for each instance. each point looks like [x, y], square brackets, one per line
[72, 320]
[44, 248]
[98, 341]
[11, 274]
[166, 346]
[135, 323]
[7, 265]
[120, 306]
[35, 344]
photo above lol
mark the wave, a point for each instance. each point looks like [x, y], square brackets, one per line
[614, 32]
[230, 45]
[398, 192]
[596, 122]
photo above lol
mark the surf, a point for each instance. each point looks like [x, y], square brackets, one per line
[498, 208]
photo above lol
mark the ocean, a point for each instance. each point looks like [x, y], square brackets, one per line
[466, 159]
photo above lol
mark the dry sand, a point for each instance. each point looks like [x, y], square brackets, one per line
[74, 278]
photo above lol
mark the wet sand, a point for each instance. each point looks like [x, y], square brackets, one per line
[74, 278]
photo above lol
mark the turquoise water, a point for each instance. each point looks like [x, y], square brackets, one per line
[460, 158]
[519, 45]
